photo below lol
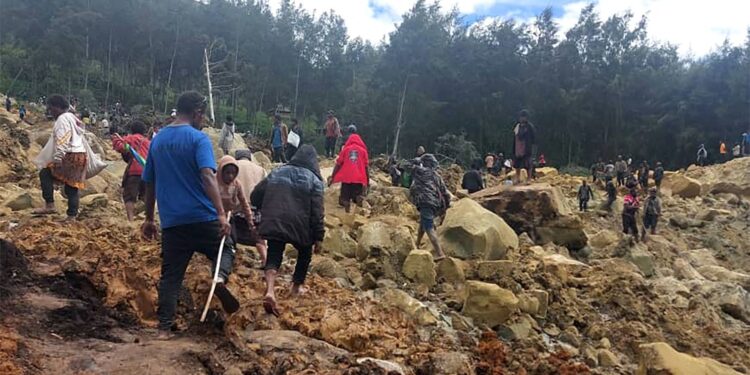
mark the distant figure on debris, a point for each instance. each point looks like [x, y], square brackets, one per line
[180, 176]
[621, 170]
[292, 211]
[597, 171]
[68, 164]
[22, 112]
[333, 133]
[420, 151]
[429, 193]
[723, 151]
[629, 212]
[351, 170]
[489, 162]
[643, 172]
[524, 139]
[294, 139]
[8, 104]
[611, 194]
[658, 175]
[394, 171]
[226, 137]
[736, 151]
[702, 156]
[609, 170]
[279, 135]
[133, 188]
[651, 212]
[584, 195]
[542, 161]
[498, 167]
[472, 180]
[631, 182]
[236, 200]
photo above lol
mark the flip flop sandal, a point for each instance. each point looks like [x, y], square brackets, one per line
[228, 301]
[269, 304]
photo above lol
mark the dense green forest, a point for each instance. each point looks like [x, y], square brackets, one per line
[602, 89]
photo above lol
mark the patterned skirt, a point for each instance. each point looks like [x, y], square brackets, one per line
[72, 170]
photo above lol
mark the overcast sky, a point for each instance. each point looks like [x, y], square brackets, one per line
[696, 26]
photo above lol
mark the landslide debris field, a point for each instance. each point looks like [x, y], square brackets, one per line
[531, 287]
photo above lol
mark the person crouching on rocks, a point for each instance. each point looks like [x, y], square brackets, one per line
[429, 194]
[291, 204]
[629, 212]
[234, 200]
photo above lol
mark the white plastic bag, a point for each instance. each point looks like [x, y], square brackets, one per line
[293, 139]
[94, 164]
[47, 155]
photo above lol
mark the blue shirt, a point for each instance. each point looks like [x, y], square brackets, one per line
[276, 140]
[174, 164]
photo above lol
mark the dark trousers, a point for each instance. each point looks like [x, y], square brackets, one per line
[278, 155]
[610, 201]
[583, 204]
[48, 192]
[330, 146]
[276, 256]
[177, 247]
[629, 225]
[620, 178]
[290, 151]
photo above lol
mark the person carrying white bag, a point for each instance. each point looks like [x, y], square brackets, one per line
[66, 159]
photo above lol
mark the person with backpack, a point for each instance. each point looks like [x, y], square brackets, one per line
[651, 212]
[180, 175]
[658, 175]
[133, 188]
[69, 159]
[472, 180]
[292, 211]
[432, 199]
[352, 170]
[629, 212]
[702, 156]
[584, 195]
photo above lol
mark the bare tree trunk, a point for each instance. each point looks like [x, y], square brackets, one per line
[171, 68]
[7, 93]
[296, 86]
[109, 72]
[400, 116]
[210, 89]
[236, 61]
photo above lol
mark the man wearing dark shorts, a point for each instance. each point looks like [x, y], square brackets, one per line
[429, 193]
[524, 138]
[351, 170]
[180, 175]
[133, 189]
[333, 133]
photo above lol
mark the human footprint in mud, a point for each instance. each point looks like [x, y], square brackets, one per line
[180, 176]
[429, 193]
[290, 200]
[235, 200]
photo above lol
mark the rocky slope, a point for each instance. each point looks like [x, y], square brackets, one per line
[531, 285]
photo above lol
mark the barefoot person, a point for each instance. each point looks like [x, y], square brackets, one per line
[524, 138]
[234, 199]
[291, 204]
[351, 170]
[68, 164]
[429, 194]
[180, 176]
[133, 187]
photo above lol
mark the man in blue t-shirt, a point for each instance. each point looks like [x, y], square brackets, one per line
[180, 176]
[279, 134]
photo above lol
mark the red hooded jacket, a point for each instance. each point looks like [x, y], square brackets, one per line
[139, 143]
[353, 161]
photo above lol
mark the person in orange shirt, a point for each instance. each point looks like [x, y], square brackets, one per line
[723, 151]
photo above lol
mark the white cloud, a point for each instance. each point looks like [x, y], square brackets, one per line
[695, 26]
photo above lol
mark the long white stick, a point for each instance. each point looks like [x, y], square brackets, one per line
[216, 274]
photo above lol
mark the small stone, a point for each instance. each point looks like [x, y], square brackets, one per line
[452, 270]
[604, 343]
[571, 336]
[607, 358]
[233, 371]
[419, 267]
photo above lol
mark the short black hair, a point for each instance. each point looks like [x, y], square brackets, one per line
[523, 113]
[137, 127]
[190, 102]
[58, 101]
[230, 118]
[295, 121]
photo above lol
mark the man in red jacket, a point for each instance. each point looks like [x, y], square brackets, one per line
[351, 170]
[132, 186]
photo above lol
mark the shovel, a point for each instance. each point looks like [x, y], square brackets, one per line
[216, 274]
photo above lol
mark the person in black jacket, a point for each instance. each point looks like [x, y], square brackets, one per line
[473, 181]
[524, 140]
[290, 200]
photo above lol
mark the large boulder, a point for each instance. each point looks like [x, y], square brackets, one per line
[419, 267]
[378, 238]
[562, 266]
[660, 358]
[22, 201]
[452, 270]
[642, 258]
[339, 244]
[730, 298]
[472, 232]
[682, 185]
[719, 273]
[539, 209]
[412, 307]
[391, 200]
[603, 239]
[263, 160]
[214, 134]
[494, 269]
[489, 303]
